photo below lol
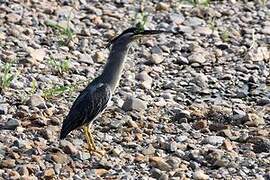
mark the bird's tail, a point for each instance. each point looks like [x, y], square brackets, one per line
[66, 128]
[63, 134]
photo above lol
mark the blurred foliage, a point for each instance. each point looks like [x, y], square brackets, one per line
[6, 76]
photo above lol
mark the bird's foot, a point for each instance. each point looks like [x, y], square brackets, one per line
[96, 152]
[99, 152]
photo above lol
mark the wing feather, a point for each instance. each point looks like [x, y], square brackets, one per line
[87, 106]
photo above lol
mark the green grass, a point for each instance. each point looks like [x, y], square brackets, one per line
[141, 17]
[65, 34]
[212, 24]
[33, 87]
[197, 2]
[57, 91]
[263, 2]
[59, 66]
[225, 36]
[6, 76]
[141, 20]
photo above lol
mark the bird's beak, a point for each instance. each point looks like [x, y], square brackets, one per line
[149, 32]
[153, 32]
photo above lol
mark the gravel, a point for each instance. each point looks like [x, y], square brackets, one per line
[195, 105]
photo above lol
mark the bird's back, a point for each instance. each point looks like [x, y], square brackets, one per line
[91, 101]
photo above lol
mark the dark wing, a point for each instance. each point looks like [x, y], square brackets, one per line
[91, 101]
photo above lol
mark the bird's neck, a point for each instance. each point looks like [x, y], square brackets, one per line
[114, 66]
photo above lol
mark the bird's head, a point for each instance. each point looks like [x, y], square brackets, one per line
[134, 33]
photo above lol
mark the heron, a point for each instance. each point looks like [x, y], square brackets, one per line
[93, 100]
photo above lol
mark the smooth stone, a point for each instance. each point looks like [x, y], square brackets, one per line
[4, 108]
[156, 58]
[133, 103]
[200, 175]
[213, 140]
[12, 124]
[36, 101]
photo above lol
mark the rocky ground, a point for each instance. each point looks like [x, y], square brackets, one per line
[195, 106]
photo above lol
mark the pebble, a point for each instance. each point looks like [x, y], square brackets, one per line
[266, 30]
[37, 54]
[150, 150]
[8, 163]
[4, 108]
[133, 103]
[159, 163]
[85, 58]
[36, 101]
[156, 58]
[101, 172]
[254, 120]
[204, 30]
[200, 175]
[228, 145]
[59, 158]
[161, 6]
[177, 18]
[201, 124]
[49, 173]
[197, 58]
[213, 140]
[99, 57]
[68, 147]
[143, 76]
[194, 21]
[13, 18]
[117, 150]
[115, 123]
[12, 124]
[262, 145]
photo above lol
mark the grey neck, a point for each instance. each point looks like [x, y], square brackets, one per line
[115, 64]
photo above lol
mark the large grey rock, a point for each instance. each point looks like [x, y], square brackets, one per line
[4, 108]
[150, 150]
[213, 140]
[156, 58]
[86, 58]
[266, 30]
[37, 55]
[36, 101]
[200, 175]
[197, 57]
[13, 18]
[12, 124]
[143, 76]
[194, 21]
[133, 103]
[177, 18]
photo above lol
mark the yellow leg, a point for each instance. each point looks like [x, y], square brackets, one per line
[91, 139]
[88, 139]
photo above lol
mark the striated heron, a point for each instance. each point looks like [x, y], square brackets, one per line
[93, 100]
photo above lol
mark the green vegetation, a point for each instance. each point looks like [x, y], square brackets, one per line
[141, 17]
[33, 87]
[59, 66]
[225, 36]
[57, 91]
[212, 24]
[263, 2]
[6, 76]
[141, 21]
[197, 2]
[65, 34]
